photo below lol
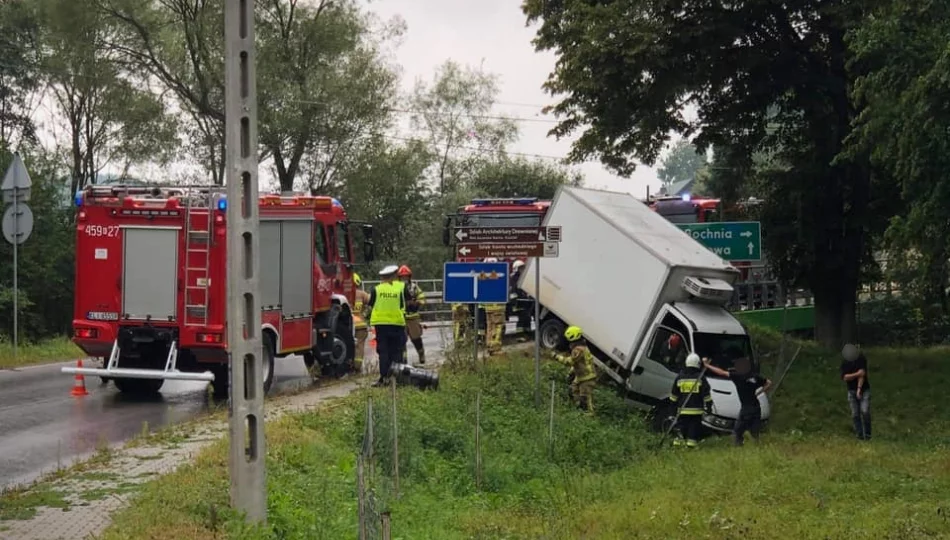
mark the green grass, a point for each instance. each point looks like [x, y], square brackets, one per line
[604, 478]
[51, 350]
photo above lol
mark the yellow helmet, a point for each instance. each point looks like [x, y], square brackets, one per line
[573, 333]
[357, 280]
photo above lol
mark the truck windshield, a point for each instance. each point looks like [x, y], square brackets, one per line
[724, 349]
[501, 219]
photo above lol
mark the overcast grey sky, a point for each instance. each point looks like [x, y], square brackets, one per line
[492, 33]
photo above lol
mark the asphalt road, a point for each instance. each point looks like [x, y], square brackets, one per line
[42, 427]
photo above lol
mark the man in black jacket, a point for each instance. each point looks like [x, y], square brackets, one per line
[854, 372]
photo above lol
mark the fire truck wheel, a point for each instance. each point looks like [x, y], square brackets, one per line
[268, 362]
[139, 386]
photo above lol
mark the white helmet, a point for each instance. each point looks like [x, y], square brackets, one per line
[692, 360]
[517, 264]
[389, 270]
[490, 259]
[850, 352]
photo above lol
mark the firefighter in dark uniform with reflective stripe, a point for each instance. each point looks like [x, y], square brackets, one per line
[691, 395]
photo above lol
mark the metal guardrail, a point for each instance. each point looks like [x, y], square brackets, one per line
[434, 309]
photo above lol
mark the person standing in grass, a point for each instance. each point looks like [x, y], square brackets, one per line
[854, 372]
[749, 386]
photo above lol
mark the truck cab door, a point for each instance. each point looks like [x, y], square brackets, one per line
[664, 357]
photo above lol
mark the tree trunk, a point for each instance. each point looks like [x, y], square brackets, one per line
[835, 321]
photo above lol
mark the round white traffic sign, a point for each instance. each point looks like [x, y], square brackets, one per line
[22, 222]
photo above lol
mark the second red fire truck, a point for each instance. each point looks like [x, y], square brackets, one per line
[151, 284]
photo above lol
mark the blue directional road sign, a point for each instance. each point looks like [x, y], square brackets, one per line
[475, 283]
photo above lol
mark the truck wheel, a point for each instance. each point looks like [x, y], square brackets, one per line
[139, 386]
[342, 352]
[552, 332]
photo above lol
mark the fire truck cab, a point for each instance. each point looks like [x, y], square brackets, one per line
[151, 284]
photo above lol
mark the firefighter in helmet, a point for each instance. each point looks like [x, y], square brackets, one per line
[494, 321]
[691, 394]
[581, 362]
[416, 299]
[360, 327]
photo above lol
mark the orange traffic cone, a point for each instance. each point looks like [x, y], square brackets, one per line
[79, 384]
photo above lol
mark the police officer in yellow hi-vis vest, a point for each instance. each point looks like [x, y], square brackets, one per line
[691, 395]
[360, 327]
[387, 305]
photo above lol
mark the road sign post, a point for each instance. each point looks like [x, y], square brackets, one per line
[733, 241]
[475, 283]
[17, 226]
[248, 488]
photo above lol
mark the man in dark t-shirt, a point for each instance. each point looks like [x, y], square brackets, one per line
[854, 372]
[748, 386]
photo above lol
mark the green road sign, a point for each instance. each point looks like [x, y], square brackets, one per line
[733, 241]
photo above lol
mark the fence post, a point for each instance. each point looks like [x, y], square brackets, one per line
[384, 519]
[551, 423]
[370, 422]
[478, 447]
[395, 441]
[361, 495]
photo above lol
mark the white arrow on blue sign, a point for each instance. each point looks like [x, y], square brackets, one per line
[475, 283]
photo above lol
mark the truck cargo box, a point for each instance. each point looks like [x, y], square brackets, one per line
[618, 263]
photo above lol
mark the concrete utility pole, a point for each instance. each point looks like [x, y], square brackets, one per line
[248, 488]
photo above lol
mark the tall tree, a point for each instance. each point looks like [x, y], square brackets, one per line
[902, 55]
[111, 118]
[628, 67]
[180, 44]
[324, 87]
[682, 163]
[454, 116]
[507, 177]
[18, 71]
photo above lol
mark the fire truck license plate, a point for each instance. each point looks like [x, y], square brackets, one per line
[102, 316]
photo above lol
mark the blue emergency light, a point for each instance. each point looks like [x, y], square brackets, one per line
[222, 204]
[504, 202]
[685, 197]
[78, 199]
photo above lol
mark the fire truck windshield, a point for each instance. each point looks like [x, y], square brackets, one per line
[501, 219]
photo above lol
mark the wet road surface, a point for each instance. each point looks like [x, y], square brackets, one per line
[42, 427]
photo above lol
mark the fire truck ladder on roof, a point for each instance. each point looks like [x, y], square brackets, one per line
[197, 280]
[112, 369]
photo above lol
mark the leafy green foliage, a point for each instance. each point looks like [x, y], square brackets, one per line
[605, 477]
[110, 119]
[45, 260]
[902, 56]
[762, 77]
[520, 177]
[682, 163]
[453, 116]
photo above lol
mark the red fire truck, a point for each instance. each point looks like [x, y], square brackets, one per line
[151, 287]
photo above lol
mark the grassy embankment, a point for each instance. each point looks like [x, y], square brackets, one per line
[51, 350]
[605, 478]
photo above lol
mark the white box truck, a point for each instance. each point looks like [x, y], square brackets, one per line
[645, 294]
